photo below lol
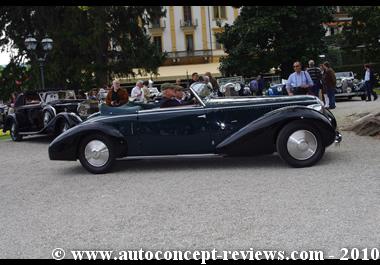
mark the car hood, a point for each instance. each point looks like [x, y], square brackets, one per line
[237, 101]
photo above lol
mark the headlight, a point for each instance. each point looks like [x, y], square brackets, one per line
[317, 107]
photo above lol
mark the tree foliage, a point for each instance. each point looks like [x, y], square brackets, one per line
[263, 37]
[363, 33]
[91, 43]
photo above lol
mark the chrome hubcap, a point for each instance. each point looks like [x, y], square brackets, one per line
[96, 153]
[302, 144]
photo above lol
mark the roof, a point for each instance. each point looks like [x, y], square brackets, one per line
[178, 71]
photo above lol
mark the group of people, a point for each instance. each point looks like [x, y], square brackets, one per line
[312, 80]
[207, 78]
[315, 79]
[172, 94]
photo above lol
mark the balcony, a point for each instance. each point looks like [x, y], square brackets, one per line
[195, 53]
[188, 24]
[157, 26]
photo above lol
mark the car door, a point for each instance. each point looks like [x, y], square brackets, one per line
[176, 130]
[30, 117]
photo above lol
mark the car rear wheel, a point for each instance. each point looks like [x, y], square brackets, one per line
[15, 133]
[96, 153]
[300, 144]
[363, 97]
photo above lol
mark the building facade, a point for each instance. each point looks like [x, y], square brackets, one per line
[188, 33]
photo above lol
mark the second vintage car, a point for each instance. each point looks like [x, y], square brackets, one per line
[51, 112]
[347, 86]
[297, 127]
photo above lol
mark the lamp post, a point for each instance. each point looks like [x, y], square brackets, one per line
[47, 45]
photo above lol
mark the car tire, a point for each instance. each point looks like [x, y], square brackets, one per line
[300, 144]
[14, 132]
[96, 153]
[363, 97]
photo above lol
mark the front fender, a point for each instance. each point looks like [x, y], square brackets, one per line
[8, 121]
[70, 118]
[260, 135]
[66, 145]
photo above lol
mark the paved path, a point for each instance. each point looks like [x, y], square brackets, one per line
[189, 204]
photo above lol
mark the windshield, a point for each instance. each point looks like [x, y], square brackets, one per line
[343, 74]
[202, 91]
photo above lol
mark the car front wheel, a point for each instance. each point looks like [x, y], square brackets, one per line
[300, 144]
[96, 153]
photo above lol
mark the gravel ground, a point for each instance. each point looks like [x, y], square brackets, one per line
[192, 203]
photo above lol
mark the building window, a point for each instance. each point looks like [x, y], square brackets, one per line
[187, 18]
[157, 40]
[220, 12]
[189, 42]
[156, 23]
[218, 46]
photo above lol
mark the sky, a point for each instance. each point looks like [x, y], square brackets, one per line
[4, 58]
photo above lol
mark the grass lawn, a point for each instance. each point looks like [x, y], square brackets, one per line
[4, 136]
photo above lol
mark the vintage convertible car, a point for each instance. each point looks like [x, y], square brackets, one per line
[297, 127]
[348, 86]
[51, 112]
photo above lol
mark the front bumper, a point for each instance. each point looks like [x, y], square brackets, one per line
[338, 137]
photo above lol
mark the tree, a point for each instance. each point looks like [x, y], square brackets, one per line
[263, 37]
[363, 33]
[91, 43]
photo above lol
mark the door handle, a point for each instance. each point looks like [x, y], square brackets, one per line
[202, 116]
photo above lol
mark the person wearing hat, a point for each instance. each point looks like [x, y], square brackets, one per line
[180, 97]
[168, 95]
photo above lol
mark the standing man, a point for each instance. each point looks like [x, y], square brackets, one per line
[117, 96]
[298, 82]
[316, 75]
[194, 78]
[369, 79]
[137, 93]
[260, 85]
[329, 84]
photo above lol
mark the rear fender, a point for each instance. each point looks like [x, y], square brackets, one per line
[260, 135]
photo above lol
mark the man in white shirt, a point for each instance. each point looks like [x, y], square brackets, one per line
[137, 93]
[298, 82]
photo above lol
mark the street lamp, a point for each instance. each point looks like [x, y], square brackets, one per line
[47, 45]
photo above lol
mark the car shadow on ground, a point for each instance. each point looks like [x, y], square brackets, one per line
[43, 139]
[149, 165]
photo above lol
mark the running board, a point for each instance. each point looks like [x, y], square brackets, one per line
[170, 156]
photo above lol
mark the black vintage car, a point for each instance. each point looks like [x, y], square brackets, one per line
[297, 127]
[348, 86]
[51, 112]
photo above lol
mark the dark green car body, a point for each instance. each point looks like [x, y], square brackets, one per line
[235, 126]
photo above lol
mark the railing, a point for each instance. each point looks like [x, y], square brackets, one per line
[196, 53]
[188, 23]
